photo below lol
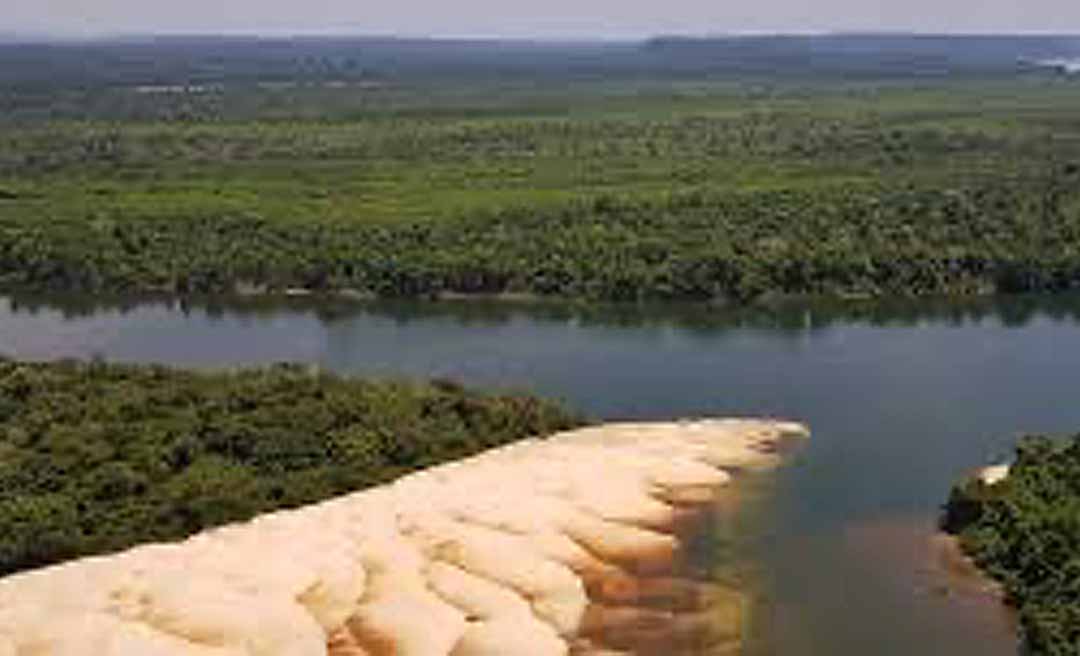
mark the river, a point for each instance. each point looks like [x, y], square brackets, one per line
[903, 398]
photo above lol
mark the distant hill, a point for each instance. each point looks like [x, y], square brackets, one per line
[216, 60]
[201, 60]
[862, 55]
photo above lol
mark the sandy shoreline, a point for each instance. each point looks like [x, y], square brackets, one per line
[569, 544]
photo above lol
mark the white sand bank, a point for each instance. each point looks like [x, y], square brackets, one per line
[544, 547]
[993, 475]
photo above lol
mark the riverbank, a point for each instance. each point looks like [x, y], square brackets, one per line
[571, 542]
[1020, 524]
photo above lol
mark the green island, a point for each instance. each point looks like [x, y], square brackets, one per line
[97, 457]
[1025, 532]
[719, 171]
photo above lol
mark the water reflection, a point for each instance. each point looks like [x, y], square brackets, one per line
[782, 316]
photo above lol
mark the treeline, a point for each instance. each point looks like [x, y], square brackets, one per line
[1025, 532]
[685, 191]
[779, 136]
[97, 457]
[699, 246]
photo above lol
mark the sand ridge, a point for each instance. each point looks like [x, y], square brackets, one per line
[993, 475]
[550, 546]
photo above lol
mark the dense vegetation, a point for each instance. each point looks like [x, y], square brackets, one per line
[1025, 532]
[97, 457]
[675, 169]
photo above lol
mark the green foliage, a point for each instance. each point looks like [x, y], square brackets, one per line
[699, 246]
[97, 457]
[671, 169]
[1025, 532]
[626, 193]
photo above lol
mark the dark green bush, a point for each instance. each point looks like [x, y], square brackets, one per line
[1025, 532]
[723, 246]
[97, 457]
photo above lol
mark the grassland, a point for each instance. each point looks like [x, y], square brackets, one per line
[635, 186]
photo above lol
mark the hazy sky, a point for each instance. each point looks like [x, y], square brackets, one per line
[542, 18]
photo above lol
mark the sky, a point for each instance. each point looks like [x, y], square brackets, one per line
[536, 19]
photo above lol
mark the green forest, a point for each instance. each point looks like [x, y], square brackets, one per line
[1025, 532]
[97, 457]
[639, 173]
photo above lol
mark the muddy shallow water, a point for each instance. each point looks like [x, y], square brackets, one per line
[902, 397]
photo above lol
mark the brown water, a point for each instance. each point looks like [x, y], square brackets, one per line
[903, 398]
[891, 572]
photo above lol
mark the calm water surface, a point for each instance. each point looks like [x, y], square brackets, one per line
[903, 398]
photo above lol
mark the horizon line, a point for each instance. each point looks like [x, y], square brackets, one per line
[32, 36]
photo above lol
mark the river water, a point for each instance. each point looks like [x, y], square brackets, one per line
[903, 398]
